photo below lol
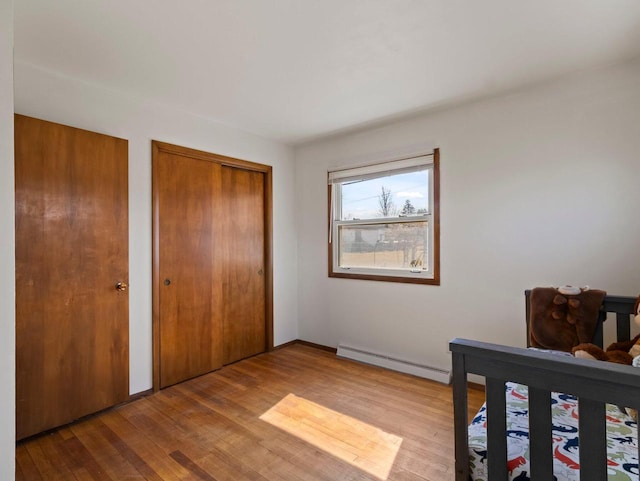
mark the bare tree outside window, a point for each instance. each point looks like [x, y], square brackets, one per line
[387, 207]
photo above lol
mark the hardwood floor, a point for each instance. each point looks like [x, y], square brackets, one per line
[210, 428]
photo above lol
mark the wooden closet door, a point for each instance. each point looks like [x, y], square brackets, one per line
[188, 217]
[212, 297]
[72, 325]
[243, 263]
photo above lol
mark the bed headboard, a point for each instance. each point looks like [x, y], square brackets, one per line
[622, 306]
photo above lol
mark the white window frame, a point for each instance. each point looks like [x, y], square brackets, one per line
[337, 177]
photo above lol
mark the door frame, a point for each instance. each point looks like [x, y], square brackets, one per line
[158, 147]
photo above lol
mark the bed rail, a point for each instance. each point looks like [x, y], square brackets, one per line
[594, 383]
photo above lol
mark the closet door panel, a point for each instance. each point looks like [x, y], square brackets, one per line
[189, 290]
[243, 254]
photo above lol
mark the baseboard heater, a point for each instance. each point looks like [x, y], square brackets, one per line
[395, 364]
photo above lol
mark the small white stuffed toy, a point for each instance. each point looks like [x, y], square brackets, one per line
[572, 290]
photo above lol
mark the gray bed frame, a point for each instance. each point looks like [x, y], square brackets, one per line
[593, 382]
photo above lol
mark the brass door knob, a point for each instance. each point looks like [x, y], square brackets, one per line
[121, 286]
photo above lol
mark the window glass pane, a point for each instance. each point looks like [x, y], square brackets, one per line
[384, 246]
[389, 196]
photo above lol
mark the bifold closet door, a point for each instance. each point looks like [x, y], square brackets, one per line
[189, 220]
[243, 263]
[72, 307]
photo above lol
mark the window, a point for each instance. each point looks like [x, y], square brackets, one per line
[383, 221]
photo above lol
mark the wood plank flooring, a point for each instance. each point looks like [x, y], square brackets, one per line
[209, 428]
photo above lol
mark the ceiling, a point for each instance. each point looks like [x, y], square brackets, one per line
[295, 70]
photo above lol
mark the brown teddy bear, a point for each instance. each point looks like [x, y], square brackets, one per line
[619, 352]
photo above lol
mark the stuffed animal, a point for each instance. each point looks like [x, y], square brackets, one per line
[636, 310]
[626, 352]
[618, 352]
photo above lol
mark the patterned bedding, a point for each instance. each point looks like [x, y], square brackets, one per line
[622, 451]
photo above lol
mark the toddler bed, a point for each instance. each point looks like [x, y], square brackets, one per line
[547, 416]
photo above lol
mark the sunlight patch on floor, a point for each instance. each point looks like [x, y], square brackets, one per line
[360, 444]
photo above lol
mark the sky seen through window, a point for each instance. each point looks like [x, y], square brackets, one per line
[360, 199]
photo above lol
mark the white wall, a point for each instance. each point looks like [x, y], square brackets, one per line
[7, 247]
[53, 97]
[539, 187]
